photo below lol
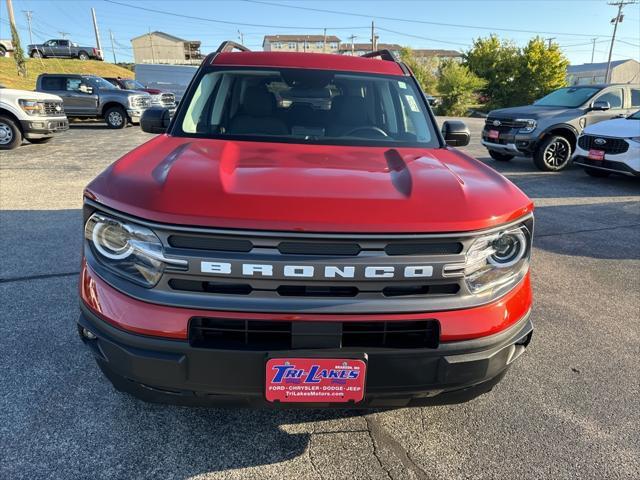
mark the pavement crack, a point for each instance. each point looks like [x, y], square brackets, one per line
[311, 460]
[38, 277]
[376, 447]
[381, 438]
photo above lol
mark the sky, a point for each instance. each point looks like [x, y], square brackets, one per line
[452, 24]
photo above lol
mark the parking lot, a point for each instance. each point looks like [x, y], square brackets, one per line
[567, 409]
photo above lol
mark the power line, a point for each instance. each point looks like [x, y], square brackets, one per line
[421, 37]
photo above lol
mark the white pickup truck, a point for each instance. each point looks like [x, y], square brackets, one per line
[34, 116]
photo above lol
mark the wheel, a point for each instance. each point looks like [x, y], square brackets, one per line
[10, 134]
[36, 54]
[39, 140]
[3, 51]
[116, 117]
[83, 55]
[553, 154]
[595, 172]
[501, 157]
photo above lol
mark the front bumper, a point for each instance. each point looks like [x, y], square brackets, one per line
[627, 163]
[43, 127]
[511, 142]
[170, 371]
[135, 114]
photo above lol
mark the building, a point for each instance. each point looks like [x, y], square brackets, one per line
[424, 55]
[160, 47]
[301, 43]
[622, 71]
[358, 49]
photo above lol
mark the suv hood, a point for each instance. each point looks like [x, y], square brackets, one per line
[533, 111]
[618, 127]
[314, 188]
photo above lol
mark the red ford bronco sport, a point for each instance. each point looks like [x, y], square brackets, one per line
[301, 234]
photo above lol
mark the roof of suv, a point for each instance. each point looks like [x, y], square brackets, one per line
[320, 61]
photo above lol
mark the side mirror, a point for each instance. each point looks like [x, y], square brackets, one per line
[155, 120]
[600, 105]
[86, 89]
[456, 133]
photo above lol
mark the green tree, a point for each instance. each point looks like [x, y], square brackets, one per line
[543, 69]
[457, 86]
[424, 70]
[498, 62]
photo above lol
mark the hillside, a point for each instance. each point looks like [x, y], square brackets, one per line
[10, 79]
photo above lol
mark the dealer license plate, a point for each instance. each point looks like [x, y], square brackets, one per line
[494, 134]
[597, 155]
[315, 380]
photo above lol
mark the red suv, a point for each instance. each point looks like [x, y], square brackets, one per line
[301, 234]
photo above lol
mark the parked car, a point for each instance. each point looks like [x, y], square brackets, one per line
[36, 117]
[62, 48]
[548, 130]
[159, 98]
[6, 46]
[172, 78]
[89, 96]
[610, 147]
[284, 255]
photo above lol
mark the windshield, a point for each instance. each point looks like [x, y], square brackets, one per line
[132, 84]
[101, 83]
[570, 97]
[308, 106]
[635, 116]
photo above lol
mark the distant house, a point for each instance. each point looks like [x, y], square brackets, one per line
[423, 54]
[160, 47]
[358, 49]
[301, 43]
[622, 71]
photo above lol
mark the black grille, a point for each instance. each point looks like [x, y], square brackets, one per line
[505, 124]
[210, 243]
[610, 145]
[230, 334]
[51, 111]
[168, 99]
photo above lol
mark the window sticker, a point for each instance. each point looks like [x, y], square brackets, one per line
[402, 85]
[412, 103]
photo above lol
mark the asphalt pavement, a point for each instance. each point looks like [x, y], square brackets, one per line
[568, 409]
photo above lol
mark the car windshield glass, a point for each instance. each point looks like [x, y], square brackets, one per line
[101, 83]
[635, 116]
[568, 97]
[308, 106]
[132, 84]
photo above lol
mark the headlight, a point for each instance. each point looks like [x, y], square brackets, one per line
[32, 107]
[127, 249]
[530, 125]
[498, 261]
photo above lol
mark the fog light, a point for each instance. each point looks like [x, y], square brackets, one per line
[37, 124]
[87, 334]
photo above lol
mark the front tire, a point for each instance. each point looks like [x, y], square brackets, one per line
[116, 117]
[37, 54]
[553, 154]
[10, 134]
[3, 51]
[83, 55]
[595, 172]
[500, 157]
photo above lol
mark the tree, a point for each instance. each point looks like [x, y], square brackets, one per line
[498, 63]
[423, 69]
[543, 69]
[457, 86]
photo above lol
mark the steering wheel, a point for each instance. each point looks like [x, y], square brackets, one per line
[371, 129]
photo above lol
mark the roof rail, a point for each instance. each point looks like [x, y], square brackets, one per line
[383, 54]
[229, 46]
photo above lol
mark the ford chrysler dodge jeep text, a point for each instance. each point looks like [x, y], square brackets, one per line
[301, 234]
[549, 129]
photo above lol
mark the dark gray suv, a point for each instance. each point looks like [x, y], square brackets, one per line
[548, 129]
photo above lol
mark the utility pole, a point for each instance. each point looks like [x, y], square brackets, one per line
[113, 50]
[352, 38]
[64, 35]
[373, 37]
[617, 20]
[95, 28]
[29, 15]
[241, 37]
[550, 40]
[15, 38]
[593, 49]
[324, 41]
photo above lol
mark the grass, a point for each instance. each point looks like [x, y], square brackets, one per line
[10, 79]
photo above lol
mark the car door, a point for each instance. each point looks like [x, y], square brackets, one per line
[81, 98]
[615, 97]
[49, 48]
[62, 48]
[634, 100]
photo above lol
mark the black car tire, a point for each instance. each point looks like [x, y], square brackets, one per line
[596, 172]
[553, 154]
[3, 51]
[37, 54]
[500, 157]
[11, 134]
[82, 55]
[39, 140]
[116, 117]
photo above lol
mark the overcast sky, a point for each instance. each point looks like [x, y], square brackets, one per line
[451, 24]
